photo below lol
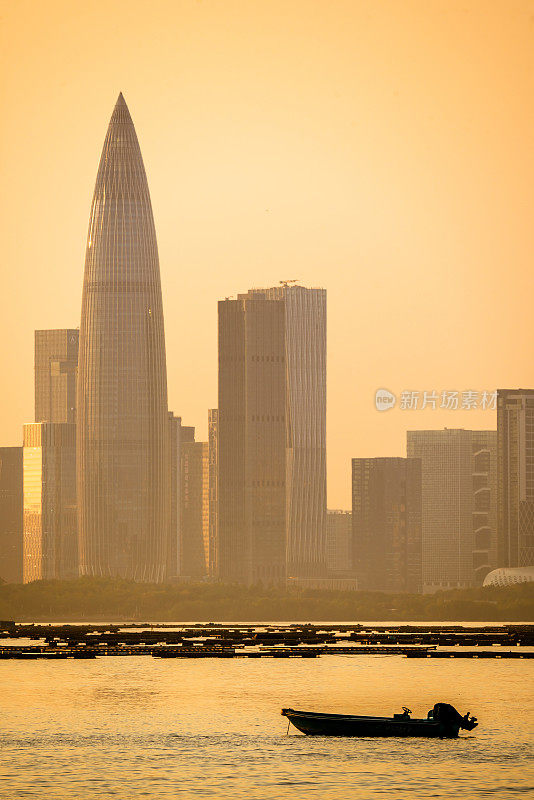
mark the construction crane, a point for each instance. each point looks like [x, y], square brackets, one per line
[287, 283]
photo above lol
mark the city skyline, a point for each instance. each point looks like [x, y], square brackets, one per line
[253, 499]
[270, 266]
[383, 190]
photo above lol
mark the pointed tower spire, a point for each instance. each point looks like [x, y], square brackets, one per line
[122, 382]
[121, 112]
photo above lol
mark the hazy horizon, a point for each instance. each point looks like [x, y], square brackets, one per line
[381, 152]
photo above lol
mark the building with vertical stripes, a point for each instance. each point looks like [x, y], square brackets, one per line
[515, 452]
[122, 418]
[272, 435]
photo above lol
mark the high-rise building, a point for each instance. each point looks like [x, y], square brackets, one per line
[386, 519]
[485, 499]
[11, 514]
[305, 346]
[49, 514]
[194, 538]
[458, 505]
[339, 542]
[178, 435]
[56, 370]
[213, 422]
[272, 435]
[515, 446]
[252, 439]
[122, 420]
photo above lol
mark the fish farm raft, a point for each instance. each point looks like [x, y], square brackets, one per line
[81, 641]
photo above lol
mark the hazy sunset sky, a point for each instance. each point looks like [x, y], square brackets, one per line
[382, 149]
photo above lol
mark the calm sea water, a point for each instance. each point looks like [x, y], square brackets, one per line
[141, 727]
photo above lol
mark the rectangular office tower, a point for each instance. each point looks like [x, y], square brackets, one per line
[194, 538]
[56, 370]
[49, 512]
[272, 435]
[515, 444]
[178, 435]
[459, 505]
[213, 437]
[339, 542]
[386, 523]
[11, 514]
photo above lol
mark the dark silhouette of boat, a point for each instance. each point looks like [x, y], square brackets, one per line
[443, 722]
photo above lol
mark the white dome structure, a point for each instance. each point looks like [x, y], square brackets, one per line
[508, 576]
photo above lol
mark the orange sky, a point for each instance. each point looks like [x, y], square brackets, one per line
[380, 148]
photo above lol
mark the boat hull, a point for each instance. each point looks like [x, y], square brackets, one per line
[313, 724]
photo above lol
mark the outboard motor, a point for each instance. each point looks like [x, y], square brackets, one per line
[468, 723]
[450, 718]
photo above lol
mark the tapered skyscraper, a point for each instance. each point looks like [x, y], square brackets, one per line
[122, 383]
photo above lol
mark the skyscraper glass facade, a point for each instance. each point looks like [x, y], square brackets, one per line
[194, 528]
[305, 346]
[178, 435]
[56, 372]
[386, 519]
[50, 547]
[339, 542]
[458, 505]
[11, 514]
[123, 462]
[252, 435]
[272, 435]
[213, 435]
[515, 443]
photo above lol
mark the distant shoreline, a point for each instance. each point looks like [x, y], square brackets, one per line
[99, 600]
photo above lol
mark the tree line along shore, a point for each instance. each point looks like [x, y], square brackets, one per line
[114, 599]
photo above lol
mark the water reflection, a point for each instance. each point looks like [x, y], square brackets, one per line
[143, 727]
[124, 696]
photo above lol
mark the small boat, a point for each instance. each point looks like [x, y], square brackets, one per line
[443, 722]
